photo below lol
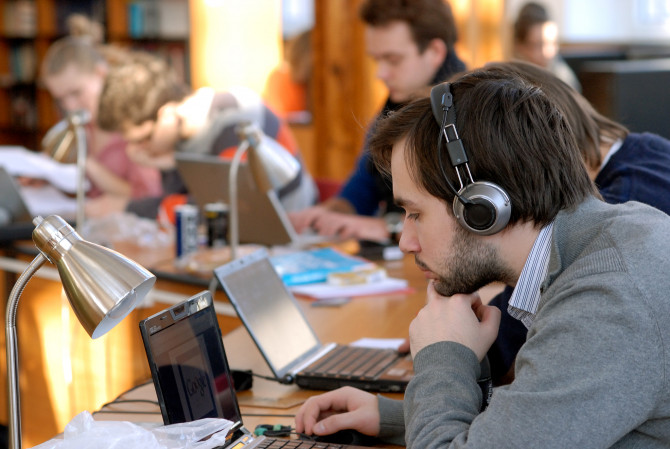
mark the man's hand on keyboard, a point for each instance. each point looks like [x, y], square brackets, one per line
[344, 408]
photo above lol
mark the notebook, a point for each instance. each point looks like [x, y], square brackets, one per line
[191, 374]
[262, 218]
[288, 343]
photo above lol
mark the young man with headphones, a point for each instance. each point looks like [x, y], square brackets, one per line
[494, 189]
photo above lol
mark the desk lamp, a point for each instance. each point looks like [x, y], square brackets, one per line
[272, 167]
[101, 285]
[61, 142]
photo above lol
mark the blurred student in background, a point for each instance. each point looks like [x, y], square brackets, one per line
[625, 167]
[158, 115]
[536, 41]
[413, 46]
[74, 70]
[287, 91]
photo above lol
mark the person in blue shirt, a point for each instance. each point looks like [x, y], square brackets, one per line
[625, 166]
[413, 46]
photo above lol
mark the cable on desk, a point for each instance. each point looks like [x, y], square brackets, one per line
[278, 430]
[261, 376]
[118, 399]
[269, 415]
[243, 379]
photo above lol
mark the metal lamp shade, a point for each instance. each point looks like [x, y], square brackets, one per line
[272, 166]
[102, 285]
[60, 141]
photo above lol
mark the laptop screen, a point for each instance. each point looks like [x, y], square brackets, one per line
[188, 362]
[262, 218]
[268, 310]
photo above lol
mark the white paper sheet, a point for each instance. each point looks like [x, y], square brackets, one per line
[379, 343]
[19, 161]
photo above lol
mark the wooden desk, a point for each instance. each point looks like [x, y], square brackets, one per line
[64, 372]
[383, 316]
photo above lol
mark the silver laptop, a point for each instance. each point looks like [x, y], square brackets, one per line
[191, 374]
[288, 343]
[262, 218]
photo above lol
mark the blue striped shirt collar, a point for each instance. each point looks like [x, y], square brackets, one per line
[526, 296]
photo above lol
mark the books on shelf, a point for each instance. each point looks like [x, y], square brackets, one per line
[20, 18]
[166, 19]
[312, 266]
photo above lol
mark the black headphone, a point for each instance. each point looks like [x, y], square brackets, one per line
[480, 207]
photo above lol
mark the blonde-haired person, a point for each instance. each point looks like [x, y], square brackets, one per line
[74, 70]
[158, 115]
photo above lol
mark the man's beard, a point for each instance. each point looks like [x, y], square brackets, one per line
[471, 265]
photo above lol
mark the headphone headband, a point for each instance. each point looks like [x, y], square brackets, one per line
[483, 208]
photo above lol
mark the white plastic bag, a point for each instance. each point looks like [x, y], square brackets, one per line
[84, 432]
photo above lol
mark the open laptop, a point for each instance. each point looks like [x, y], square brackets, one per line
[15, 219]
[191, 374]
[262, 218]
[18, 206]
[288, 343]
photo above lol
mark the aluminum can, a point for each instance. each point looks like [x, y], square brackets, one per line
[186, 216]
[216, 219]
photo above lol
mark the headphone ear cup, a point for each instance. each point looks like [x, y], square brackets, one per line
[487, 209]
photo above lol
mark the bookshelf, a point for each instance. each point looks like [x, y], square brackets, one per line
[28, 27]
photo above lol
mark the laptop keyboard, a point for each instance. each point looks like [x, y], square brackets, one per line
[270, 443]
[353, 363]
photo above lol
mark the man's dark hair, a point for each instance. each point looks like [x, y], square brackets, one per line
[514, 136]
[427, 19]
[588, 125]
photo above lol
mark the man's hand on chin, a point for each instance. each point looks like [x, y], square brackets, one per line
[460, 318]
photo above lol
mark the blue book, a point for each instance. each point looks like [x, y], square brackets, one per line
[311, 266]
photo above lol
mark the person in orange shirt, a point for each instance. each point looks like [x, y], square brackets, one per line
[288, 85]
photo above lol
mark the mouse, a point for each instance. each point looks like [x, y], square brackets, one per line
[347, 436]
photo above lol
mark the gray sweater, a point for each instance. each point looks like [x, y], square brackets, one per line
[595, 369]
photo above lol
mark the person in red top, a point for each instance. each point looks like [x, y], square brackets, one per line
[74, 71]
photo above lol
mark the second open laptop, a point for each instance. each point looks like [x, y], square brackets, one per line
[289, 344]
[262, 218]
[191, 374]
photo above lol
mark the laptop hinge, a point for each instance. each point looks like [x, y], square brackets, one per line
[317, 355]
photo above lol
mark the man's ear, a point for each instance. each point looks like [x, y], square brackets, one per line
[437, 50]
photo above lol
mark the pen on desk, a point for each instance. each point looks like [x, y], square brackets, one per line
[331, 302]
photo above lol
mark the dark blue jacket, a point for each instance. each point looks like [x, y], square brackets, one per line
[366, 189]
